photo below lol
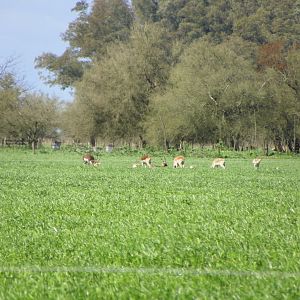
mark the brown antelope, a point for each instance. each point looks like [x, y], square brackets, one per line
[89, 159]
[218, 162]
[146, 161]
[256, 162]
[163, 165]
[178, 162]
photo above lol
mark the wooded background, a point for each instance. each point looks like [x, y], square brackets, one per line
[165, 72]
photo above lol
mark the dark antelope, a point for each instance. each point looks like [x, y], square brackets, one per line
[89, 159]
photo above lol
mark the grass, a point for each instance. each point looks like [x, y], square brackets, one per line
[148, 233]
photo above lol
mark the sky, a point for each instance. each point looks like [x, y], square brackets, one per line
[28, 28]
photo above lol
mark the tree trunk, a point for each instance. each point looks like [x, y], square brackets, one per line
[294, 134]
[297, 145]
[278, 144]
[167, 145]
[92, 141]
[267, 148]
[181, 145]
[255, 131]
[33, 146]
[236, 143]
[163, 127]
[142, 142]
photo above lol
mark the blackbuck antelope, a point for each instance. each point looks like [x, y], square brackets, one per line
[178, 162]
[146, 161]
[256, 162]
[218, 162]
[89, 159]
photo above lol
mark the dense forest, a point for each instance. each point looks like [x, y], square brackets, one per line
[168, 72]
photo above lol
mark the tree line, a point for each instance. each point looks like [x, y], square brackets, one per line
[166, 72]
[26, 117]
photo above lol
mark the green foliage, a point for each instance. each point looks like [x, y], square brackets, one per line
[37, 117]
[233, 64]
[209, 87]
[64, 70]
[141, 233]
[256, 21]
[24, 116]
[116, 90]
[88, 37]
[293, 69]
[146, 10]
[9, 94]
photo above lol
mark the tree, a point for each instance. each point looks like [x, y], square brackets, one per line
[9, 98]
[186, 20]
[266, 21]
[118, 87]
[279, 106]
[82, 120]
[64, 70]
[221, 87]
[257, 21]
[11, 89]
[208, 94]
[37, 117]
[146, 10]
[293, 69]
[282, 61]
[272, 55]
[88, 37]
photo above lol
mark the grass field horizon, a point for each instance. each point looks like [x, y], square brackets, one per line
[73, 231]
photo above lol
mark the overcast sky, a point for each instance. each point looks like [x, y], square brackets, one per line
[30, 27]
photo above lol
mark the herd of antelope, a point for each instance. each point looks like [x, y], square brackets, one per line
[178, 162]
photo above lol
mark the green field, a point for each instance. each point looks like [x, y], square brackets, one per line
[70, 231]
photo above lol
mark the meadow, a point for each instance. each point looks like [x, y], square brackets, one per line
[73, 231]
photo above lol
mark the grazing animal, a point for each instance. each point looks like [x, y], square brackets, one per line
[146, 161]
[95, 162]
[218, 162]
[164, 164]
[89, 159]
[178, 162]
[256, 162]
